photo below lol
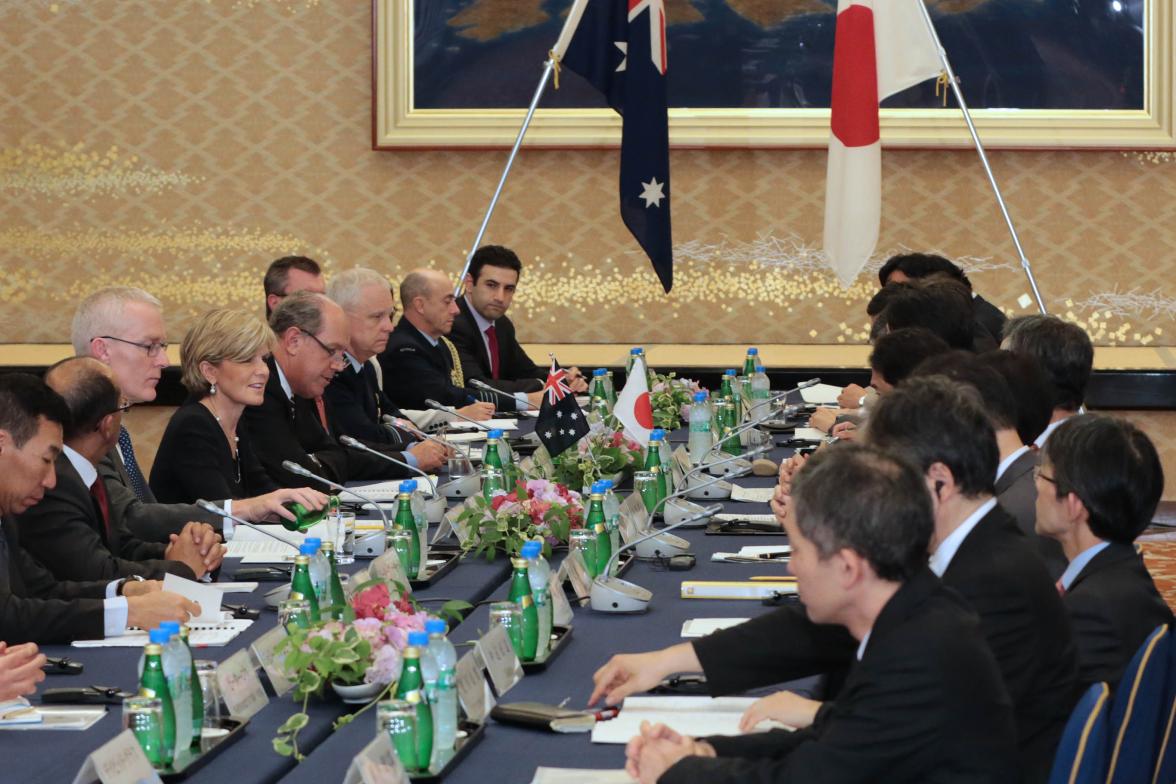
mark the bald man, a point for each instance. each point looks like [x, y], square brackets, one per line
[420, 363]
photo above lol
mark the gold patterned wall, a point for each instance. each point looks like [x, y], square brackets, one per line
[180, 145]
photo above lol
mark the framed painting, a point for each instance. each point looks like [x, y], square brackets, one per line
[757, 73]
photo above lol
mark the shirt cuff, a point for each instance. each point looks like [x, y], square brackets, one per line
[410, 458]
[112, 588]
[521, 402]
[226, 523]
[114, 616]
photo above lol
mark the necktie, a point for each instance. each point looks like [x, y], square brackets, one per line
[138, 484]
[322, 413]
[98, 490]
[492, 341]
[1061, 588]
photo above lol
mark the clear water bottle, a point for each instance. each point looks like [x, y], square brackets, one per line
[419, 515]
[612, 514]
[702, 438]
[539, 572]
[439, 667]
[320, 570]
[761, 391]
[177, 668]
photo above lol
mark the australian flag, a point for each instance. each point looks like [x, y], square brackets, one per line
[620, 47]
[560, 423]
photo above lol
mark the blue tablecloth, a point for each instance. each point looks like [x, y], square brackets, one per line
[513, 753]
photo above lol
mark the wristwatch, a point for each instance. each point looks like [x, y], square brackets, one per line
[133, 578]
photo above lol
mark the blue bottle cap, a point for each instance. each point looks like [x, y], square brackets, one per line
[753, 350]
[317, 542]
[636, 350]
[436, 626]
[699, 397]
[495, 433]
[171, 627]
[607, 484]
[306, 548]
[657, 435]
[759, 368]
[418, 639]
[731, 372]
[600, 372]
[531, 550]
[408, 486]
[159, 636]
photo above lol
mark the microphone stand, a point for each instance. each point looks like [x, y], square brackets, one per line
[433, 404]
[435, 507]
[614, 595]
[486, 387]
[404, 424]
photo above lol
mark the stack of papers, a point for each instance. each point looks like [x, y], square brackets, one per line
[256, 547]
[462, 438]
[200, 635]
[755, 495]
[756, 555]
[500, 424]
[701, 627]
[694, 716]
[580, 776]
[751, 518]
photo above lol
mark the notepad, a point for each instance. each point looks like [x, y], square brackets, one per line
[751, 518]
[61, 717]
[755, 495]
[200, 635]
[737, 589]
[809, 434]
[820, 394]
[694, 716]
[493, 424]
[701, 627]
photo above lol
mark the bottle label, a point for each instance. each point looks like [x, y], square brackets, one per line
[526, 601]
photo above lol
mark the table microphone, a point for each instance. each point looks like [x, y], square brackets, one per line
[764, 416]
[433, 404]
[483, 385]
[614, 595]
[434, 507]
[405, 424]
[720, 488]
[212, 508]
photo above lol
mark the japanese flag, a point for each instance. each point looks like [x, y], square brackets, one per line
[633, 409]
[882, 47]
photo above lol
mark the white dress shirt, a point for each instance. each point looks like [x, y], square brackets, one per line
[1079, 563]
[1008, 461]
[1039, 442]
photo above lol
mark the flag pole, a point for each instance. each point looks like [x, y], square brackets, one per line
[955, 87]
[553, 58]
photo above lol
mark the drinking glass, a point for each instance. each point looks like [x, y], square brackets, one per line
[214, 707]
[509, 616]
[294, 612]
[344, 526]
[584, 540]
[397, 719]
[645, 485]
[143, 716]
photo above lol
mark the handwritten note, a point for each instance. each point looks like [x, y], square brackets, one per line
[240, 686]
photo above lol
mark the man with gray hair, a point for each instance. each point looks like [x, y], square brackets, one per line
[122, 327]
[291, 423]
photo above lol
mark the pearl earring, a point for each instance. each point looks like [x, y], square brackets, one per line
[212, 388]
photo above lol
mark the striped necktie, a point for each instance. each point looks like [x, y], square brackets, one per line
[138, 484]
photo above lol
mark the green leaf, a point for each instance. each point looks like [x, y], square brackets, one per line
[296, 722]
[282, 747]
[345, 657]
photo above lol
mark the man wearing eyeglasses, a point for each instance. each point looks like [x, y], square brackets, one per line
[291, 423]
[122, 327]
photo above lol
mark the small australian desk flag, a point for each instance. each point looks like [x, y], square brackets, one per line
[620, 47]
[560, 423]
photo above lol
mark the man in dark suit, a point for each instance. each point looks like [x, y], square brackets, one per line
[924, 701]
[909, 266]
[977, 550]
[72, 530]
[1015, 489]
[122, 327]
[34, 605]
[290, 424]
[356, 405]
[421, 363]
[1097, 489]
[1065, 355]
[485, 336]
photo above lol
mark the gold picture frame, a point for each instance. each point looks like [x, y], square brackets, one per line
[398, 124]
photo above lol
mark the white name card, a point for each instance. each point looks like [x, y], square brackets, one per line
[388, 567]
[240, 686]
[501, 661]
[118, 761]
[577, 572]
[271, 661]
[561, 609]
[376, 764]
[633, 516]
[472, 689]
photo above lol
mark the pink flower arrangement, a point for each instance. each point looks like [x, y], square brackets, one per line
[384, 623]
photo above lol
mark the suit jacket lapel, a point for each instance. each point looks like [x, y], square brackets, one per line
[471, 324]
[1021, 466]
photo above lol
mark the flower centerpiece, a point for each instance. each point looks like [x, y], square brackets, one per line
[535, 508]
[362, 648]
[670, 398]
[601, 454]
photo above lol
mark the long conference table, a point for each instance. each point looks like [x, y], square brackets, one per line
[512, 753]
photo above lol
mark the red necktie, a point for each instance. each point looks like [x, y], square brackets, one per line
[322, 412]
[1061, 588]
[492, 342]
[98, 490]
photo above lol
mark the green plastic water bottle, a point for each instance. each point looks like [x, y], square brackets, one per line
[334, 584]
[406, 521]
[520, 594]
[300, 583]
[653, 464]
[598, 524]
[305, 518]
[153, 683]
[750, 361]
[411, 687]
